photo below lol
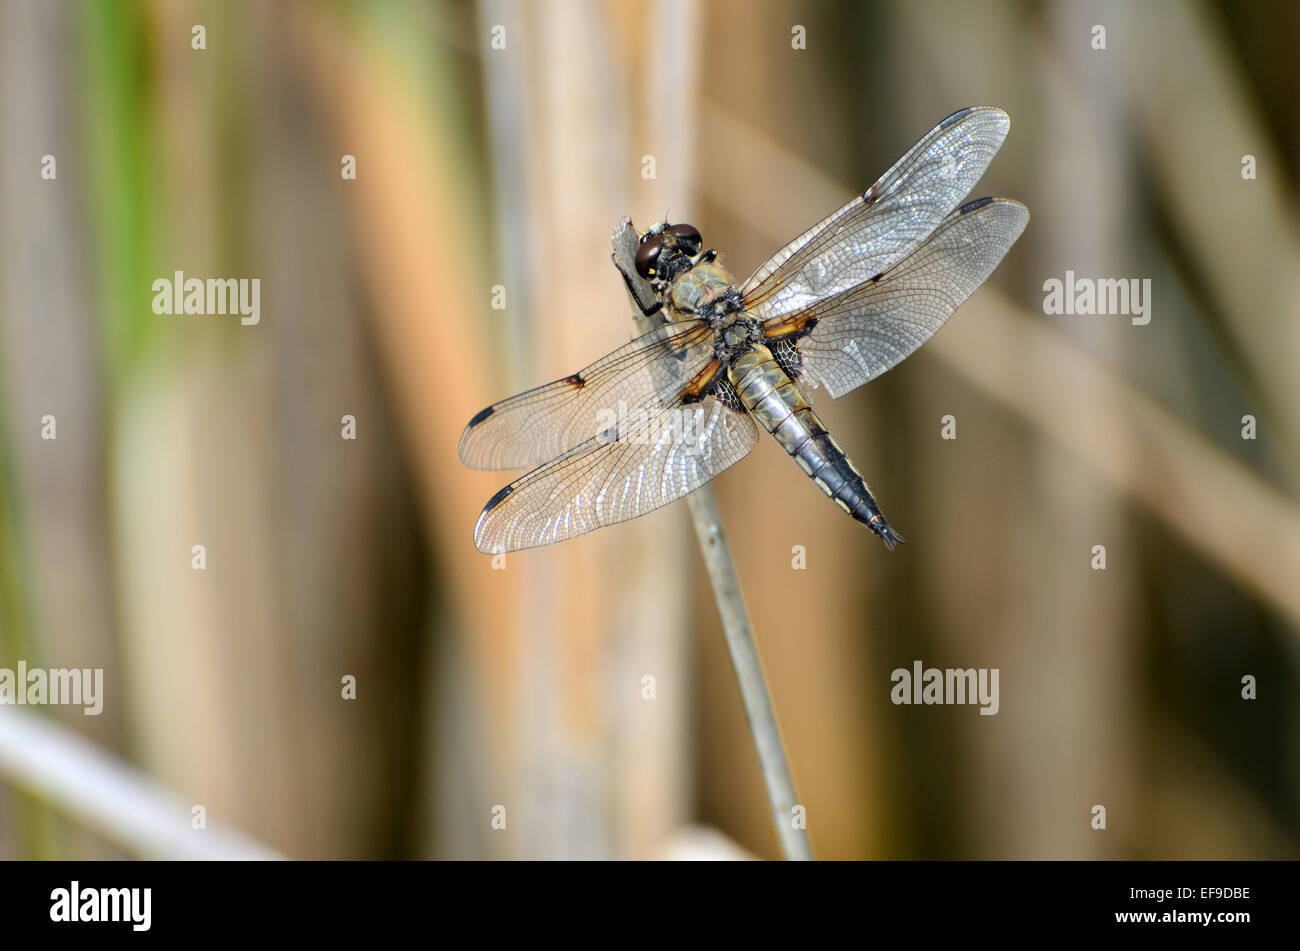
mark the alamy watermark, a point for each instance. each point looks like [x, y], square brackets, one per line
[951, 685]
[76, 686]
[214, 297]
[133, 906]
[1100, 297]
[689, 429]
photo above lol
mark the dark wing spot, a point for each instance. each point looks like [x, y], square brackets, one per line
[576, 381]
[870, 195]
[972, 205]
[497, 499]
[482, 415]
[955, 116]
[877, 278]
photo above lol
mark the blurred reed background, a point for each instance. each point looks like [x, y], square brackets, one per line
[522, 688]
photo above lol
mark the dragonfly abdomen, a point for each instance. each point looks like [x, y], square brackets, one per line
[779, 405]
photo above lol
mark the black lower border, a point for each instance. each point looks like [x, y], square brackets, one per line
[974, 901]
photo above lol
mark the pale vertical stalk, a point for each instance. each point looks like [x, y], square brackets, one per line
[742, 649]
[749, 672]
[519, 114]
[672, 112]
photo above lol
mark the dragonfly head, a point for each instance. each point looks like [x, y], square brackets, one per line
[667, 250]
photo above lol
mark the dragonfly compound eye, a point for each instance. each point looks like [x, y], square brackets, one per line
[647, 256]
[690, 235]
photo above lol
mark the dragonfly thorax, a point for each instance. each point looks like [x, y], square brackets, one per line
[736, 332]
[706, 290]
[709, 291]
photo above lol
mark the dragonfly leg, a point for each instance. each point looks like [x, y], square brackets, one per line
[646, 304]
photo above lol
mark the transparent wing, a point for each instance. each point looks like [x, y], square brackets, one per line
[541, 424]
[859, 334]
[885, 223]
[614, 477]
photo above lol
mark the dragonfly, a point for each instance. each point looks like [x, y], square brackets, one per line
[842, 303]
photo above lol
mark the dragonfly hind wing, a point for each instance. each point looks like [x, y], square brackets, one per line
[858, 335]
[616, 476]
